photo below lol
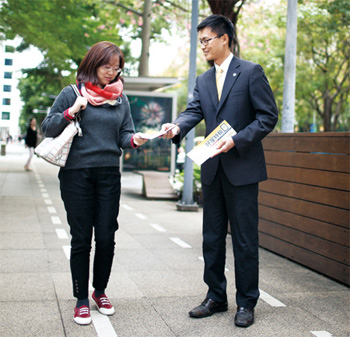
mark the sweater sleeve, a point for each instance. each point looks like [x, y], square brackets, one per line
[57, 120]
[127, 128]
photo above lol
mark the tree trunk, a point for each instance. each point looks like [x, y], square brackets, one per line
[327, 111]
[226, 8]
[145, 38]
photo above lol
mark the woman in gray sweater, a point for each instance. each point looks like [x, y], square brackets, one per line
[90, 181]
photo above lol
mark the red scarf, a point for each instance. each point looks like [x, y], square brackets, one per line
[98, 96]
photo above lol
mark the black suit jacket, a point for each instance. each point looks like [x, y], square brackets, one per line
[248, 105]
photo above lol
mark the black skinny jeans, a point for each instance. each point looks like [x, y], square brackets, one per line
[91, 198]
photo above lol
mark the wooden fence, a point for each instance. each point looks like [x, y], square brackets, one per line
[304, 206]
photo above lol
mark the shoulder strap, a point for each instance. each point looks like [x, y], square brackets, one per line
[76, 90]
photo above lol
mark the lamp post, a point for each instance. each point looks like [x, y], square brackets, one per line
[186, 203]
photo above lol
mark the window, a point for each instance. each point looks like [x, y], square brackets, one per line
[9, 49]
[8, 62]
[6, 101]
[7, 88]
[7, 74]
[5, 115]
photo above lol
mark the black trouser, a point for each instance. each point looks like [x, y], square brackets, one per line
[223, 202]
[91, 199]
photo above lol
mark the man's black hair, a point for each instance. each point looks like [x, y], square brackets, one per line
[219, 24]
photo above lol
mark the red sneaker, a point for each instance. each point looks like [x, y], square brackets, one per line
[104, 306]
[82, 315]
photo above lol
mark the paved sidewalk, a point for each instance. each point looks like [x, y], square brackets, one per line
[157, 272]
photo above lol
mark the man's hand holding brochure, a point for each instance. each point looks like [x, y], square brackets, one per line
[151, 134]
[219, 140]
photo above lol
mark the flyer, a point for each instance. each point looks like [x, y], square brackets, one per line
[151, 134]
[204, 150]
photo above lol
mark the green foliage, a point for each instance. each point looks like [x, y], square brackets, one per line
[178, 179]
[61, 29]
[323, 54]
[324, 61]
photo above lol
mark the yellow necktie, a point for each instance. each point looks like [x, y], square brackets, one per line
[219, 81]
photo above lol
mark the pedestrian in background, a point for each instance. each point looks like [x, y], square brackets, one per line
[90, 181]
[237, 91]
[30, 141]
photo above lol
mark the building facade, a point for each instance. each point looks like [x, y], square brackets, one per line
[10, 102]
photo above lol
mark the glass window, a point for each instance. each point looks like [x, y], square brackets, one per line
[5, 115]
[6, 101]
[8, 62]
[7, 88]
[7, 74]
[9, 49]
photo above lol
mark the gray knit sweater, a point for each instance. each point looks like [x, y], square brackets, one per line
[106, 130]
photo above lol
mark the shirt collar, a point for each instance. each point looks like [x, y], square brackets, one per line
[224, 65]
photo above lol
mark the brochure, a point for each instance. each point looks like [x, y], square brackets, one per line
[151, 134]
[204, 150]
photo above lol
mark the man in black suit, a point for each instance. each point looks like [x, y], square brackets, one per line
[230, 178]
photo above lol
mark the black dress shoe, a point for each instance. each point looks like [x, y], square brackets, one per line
[244, 317]
[207, 308]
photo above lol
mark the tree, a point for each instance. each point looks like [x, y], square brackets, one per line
[146, 20]
[324, 52]
[230, 9]
[63, 30]
[322, 83]
[145, 37]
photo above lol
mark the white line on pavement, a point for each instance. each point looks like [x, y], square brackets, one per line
[102, 324]
[51, 209]
[141, 216]
[321, 333]
[181, 243]
[56, 220]
[270, 300]
[61, 233]
[43, 190]
[127, 207]
[45, 195]
[47, 201]
[41, 185]
[157, 227]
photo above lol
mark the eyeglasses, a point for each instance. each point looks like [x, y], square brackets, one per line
[206, 42]
[108, 69]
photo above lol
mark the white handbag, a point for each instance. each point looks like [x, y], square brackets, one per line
[55, 150]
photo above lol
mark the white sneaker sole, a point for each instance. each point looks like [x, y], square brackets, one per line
[82, 321]
[105, 311]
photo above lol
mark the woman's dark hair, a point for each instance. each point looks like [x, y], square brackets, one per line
[219, 24]
[98, 55]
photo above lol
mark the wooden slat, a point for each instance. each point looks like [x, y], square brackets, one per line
[336, 163]
[334, 180]
[309, 142]
[309, 242]
[324, 230]
[335, 270]
[305, 206]
[305, 192]
[326, 213]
